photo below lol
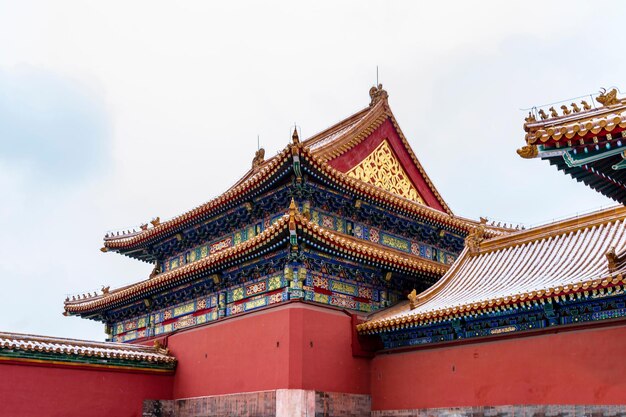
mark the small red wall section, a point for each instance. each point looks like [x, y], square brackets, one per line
[33, 390]
[291, 346]
[574, 367]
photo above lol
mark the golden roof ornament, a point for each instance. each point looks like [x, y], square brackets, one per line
[295, 138]
[377, 94]
[607, 99]
[259, 158]
[611, 258]
[528, 151]
[473, 240]
[413, 299]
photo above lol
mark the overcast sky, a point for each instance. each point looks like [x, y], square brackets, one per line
[112, 113]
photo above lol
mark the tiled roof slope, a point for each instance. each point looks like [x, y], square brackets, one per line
[17, 345]
[575, 255]
[323, 146]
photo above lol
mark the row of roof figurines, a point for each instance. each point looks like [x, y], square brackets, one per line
[605, 98]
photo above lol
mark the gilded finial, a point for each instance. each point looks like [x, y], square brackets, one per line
[530, 118]
[528, 151]
[259, 158]
[295, 138]
[156, 221]
[377, 94]
[607, 99]
[105, 290]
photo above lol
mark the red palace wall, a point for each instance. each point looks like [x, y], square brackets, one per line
[296, 346]
[33, 390]
[573, 367]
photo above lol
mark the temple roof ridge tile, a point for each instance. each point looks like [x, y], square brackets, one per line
[87, 348]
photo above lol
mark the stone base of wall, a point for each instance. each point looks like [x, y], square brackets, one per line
[511, 411]
[278, 403]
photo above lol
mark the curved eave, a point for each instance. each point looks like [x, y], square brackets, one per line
[361, 250]
[234, 196]
[225, 258]
[542, 296]
[557, 131]
[270, 239]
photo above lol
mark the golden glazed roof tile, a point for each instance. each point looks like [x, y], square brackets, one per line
[325, 145]
[553, 260]
[576, 123]
[75, 347]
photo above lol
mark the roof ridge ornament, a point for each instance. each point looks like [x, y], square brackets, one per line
[259, 158]
[612, 259]
[294, 137]
[377, 94]
[475, 237]
[608, 99]
[413, 299]
[528, 151]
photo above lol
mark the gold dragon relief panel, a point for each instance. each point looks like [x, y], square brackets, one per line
[382, 169]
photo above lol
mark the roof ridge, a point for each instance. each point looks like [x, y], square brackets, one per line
[81, 342]
[556, 228]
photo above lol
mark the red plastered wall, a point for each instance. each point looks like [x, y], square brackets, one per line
[268, 350]
[33, 390]
[574, 367]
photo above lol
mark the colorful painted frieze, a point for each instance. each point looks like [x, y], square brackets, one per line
[381, 237]
[218, 245]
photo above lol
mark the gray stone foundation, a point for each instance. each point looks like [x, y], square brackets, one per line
[512, 411]
[278, 403]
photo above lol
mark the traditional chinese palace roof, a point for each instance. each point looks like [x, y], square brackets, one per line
[568, 260]
[584, 141]
[346, 218]
[342, 156]
[42, 349]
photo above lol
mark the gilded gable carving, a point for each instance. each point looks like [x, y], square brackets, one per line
[382, 169]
